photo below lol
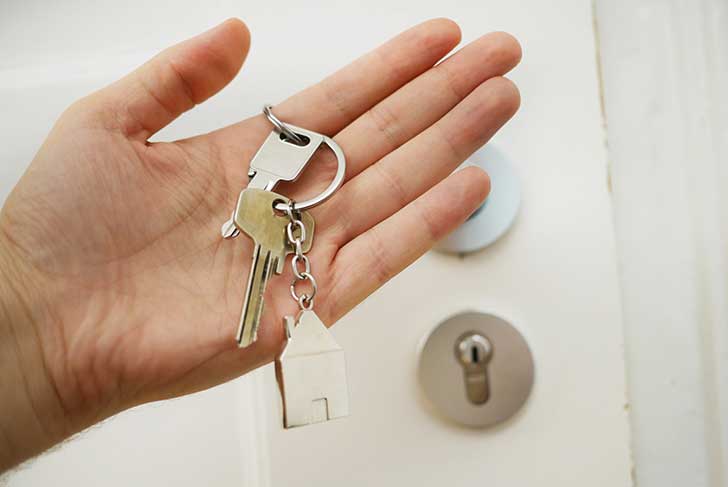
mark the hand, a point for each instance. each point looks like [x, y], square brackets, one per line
[118, 288]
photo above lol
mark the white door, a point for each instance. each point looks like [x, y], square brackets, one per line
[554, 275]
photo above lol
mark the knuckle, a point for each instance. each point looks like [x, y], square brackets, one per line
[88, 111]
[395, 185]
[185, 87]
[381, 268]
[387, 124]
[334, 92]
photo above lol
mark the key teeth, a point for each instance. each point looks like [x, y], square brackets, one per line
[243, 342]
[278, 265]
[256, 322]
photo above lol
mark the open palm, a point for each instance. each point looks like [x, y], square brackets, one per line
[133, 291]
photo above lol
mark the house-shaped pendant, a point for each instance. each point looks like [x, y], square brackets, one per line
[311, 373]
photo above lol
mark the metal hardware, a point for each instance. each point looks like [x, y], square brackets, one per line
[282, 127]
[476, 369]
[255, 216]
[474, 351]
[311, 369]
[335, 183]
[276, 160]
[279, 159]
[305, 300]
[315, 140]
[311, 373]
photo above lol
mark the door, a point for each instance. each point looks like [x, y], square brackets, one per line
[553, 275]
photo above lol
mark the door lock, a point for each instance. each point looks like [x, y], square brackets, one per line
[474, 351]
[476, 369]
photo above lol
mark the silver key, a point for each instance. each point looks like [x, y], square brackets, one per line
[311, 373]
[277, 160]
[254, 215]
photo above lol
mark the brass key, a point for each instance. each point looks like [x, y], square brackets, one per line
[256, 217]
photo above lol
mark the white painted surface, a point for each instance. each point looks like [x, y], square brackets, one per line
[554, 274]
[665, 74]
[188, 441]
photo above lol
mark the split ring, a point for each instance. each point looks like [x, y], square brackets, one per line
[324, 140]
[282, 127]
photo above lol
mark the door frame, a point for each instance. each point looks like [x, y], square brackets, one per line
[663, 76]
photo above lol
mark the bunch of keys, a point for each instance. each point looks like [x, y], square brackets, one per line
[311, 369]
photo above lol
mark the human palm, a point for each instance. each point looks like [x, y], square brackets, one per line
[134, 294]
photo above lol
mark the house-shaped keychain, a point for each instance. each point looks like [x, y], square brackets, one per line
[311, 373]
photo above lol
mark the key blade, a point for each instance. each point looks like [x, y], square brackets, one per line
[260, 270]
[255, 216]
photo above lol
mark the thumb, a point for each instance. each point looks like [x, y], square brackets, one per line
[174, 81]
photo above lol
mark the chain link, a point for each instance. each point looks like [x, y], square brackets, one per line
[296, 234]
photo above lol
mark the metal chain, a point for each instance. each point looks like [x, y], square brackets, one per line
[296, 235]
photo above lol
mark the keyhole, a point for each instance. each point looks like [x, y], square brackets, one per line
[474, 351]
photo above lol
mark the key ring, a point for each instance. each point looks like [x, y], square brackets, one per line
[282, 127]
[338, 180]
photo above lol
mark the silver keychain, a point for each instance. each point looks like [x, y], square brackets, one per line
[311, 369]
[282, 157]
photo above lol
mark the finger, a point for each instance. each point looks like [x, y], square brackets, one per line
[423, 101]
[342, 97]
[403, 175]
[174, 81]
[376, 256]
[414, 107]
[336, 101]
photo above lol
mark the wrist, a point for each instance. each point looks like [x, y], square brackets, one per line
[32, 417]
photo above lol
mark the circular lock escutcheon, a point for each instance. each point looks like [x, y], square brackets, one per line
[484, 389]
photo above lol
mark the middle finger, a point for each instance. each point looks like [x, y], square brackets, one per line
[424, 100]
[410, 110]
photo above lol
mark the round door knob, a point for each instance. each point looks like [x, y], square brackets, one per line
[497, 214]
